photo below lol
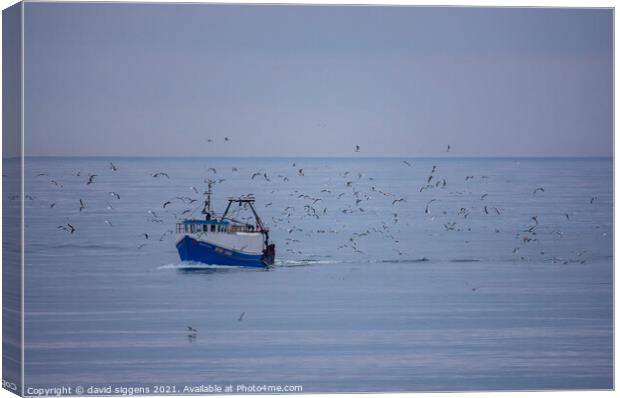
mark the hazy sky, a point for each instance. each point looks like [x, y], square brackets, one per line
[156, 79]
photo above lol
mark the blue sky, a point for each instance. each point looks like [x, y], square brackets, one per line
[160, 80]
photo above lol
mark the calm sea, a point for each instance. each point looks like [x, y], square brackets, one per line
[497, 275]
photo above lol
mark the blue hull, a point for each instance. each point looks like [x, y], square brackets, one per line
[202, 252]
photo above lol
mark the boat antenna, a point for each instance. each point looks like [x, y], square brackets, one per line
[206, 210]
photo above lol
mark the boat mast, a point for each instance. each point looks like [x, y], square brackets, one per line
[206, 210]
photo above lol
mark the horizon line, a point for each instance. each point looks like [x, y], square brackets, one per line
[317, 157]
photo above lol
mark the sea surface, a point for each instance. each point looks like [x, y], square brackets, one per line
[495, 274]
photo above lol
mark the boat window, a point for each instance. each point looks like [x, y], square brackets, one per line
[212, 228]
[204, 228]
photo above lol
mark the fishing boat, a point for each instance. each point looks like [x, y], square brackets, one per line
[224, 240]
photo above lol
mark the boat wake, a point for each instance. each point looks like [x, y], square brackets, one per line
[303, 262]
[406, 260]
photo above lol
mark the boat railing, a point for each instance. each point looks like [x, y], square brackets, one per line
[192, 228]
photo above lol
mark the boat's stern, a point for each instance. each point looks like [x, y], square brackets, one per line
[269, 254]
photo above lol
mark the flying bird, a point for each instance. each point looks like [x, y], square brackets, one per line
[91, 179]
[541, 189]
[113, 167]
[159, 174]
[427, 211]
[82, 205]
[241, 316]
[357, 148]
[117, 196]
[69, 228]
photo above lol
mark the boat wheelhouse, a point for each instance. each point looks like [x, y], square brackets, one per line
[224, 240]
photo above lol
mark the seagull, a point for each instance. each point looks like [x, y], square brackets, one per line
[70, 228]
[82, 205]
[52, 205]
[212, 168]
[407, 163]
[567, 216]
[593, 199]
[108, 222]
[357, 148]
[117, 196]
[541, 189]
[191, 329]
[484, 196]
[146, 236]
[194, 189]
[398, 200]
[113, 167]
[448, 148]
[209, 140]
[226, 139]
[301, 172]
[91, 179]
[155, 175]
[166, 204]
[256, 175]
[241, 316]
[427, 211]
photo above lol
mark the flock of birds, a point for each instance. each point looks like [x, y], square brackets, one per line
[351, 195]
